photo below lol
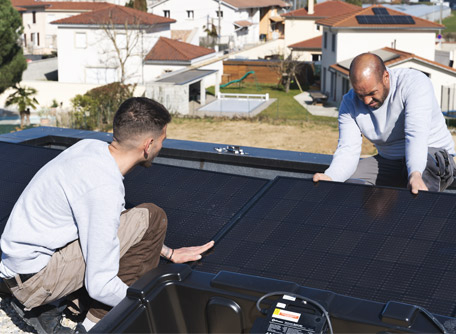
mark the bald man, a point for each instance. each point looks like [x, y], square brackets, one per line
[396, 110]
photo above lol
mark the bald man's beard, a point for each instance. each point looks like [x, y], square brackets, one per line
[382, 99]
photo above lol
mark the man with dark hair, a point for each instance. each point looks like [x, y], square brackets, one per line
[69, 228]
[398, 112]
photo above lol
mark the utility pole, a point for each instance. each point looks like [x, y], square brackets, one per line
[219, 21]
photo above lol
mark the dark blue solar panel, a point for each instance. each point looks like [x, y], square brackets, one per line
[385, 19]
[376, 243]
[380, 11]
[198, 203]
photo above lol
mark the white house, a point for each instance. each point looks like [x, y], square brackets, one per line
[57, 10]
[348, 35]
[182, 72]
[302, 35]
[170, 55]
[87, 44]
[442, 77]
[237, 22]
[34, 22]
[40, 37]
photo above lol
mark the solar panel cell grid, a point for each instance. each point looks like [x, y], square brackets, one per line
[387, 247]
[367, 242]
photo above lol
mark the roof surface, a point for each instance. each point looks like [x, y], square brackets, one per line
[243, 23]
[28, 3]
[83, 5]
[171, 50]
[116, 15]
[256, 3]
[324, 9]
[394, 56]
[348, 20]
[310, 44]
[187, 77]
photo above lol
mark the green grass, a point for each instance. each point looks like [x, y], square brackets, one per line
[450, 23]
[284, 109]
[7, 128]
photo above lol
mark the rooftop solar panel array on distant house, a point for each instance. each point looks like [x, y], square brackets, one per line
[381, 16]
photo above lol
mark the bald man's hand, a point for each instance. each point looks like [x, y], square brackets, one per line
[416, 183]
[320, 176]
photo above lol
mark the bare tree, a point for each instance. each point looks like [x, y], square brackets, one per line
[125, 43]
[287, 68]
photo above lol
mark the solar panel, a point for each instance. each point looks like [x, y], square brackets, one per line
[368, 242]
[385, 19]
[380, 11]
[198, 203]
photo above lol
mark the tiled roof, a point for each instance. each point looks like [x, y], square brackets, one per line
[68, 5]
[402, 57]
[309, 44]
[115, 15]
[324, 9]
[243, 23]
[256, 3]
[28, 3]
[348, 20]
[171, 50]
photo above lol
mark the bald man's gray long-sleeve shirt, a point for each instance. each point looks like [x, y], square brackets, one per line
[408, 122]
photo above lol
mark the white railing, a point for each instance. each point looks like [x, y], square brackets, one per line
[226, 96]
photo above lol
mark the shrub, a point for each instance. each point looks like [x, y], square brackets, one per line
[95, 109]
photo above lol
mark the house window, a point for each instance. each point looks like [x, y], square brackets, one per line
[33, 17]
[80, 40]
[333, 43]
[38, 39]
[166, 13]
[219, 13]
[190, 14]
[25, 40]
[317, 27]
[325, 38]
[316, 57]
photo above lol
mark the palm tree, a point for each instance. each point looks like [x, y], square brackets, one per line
[23, 97]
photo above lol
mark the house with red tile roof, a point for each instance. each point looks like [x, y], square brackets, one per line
[40, 37]
[34, 22]
[237, 22]
[302, 35]
[372, 28]
[169, 55]
[442, 76]
[181, 72]
[108, 44]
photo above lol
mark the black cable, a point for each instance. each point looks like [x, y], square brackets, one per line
[307, 300]
[432, 318]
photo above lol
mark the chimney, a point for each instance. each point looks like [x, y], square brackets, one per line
[310, 7]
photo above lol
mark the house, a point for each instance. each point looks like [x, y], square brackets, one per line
[108, 44]
[40, 37]
[181, 74]
[34, 22]
[442, 77]
[57, 10]
[302, 35]
[235, 22]
[168, 55]
[347, 35]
